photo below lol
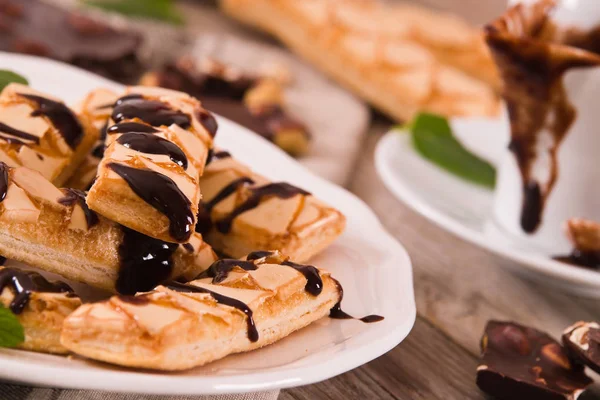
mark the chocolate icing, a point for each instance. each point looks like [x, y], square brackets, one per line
[255, 255]
[98, 150]
[73, 196]
[220, 269]
[61, 116]
[130, 127]
[281, 189]
[153, 112]
[151, 144]
[209, 122]
[203, 220]
[17, 134]
[221, 299]
[22, 283]
[163, 194]
[226, 192]
[145, 262]
[188, 247]
[2, 260]
[3, 181]
[532, 63]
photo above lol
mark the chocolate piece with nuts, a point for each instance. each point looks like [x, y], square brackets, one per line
[42, 29]
[255, 102]
[519, 362]
[582, 341]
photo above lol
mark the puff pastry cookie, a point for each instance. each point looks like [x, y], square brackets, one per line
[55, 230]
[238, 306]
[401, 58]
[155, 152]
[242, 211]
[40, 132]
[41, 307]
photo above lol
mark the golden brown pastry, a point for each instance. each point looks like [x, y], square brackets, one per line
[254, 101]
[237, 306]
[401, 58]
[242, 211]
[55, 230]
[41, 133]
[155, 152]
[40, 306]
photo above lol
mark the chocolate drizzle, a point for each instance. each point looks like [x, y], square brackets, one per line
[221, 299]
[336, 311]
[281, 189]
[98, 150]
[155, 113]
[314, 283]
[226, 192]
[216, 155]
[2, 260]
[161, 193]
[130, 127]
[220, 269]
[3, 181]
[532, 64]
[145, 262]
[255, 255]
[188, 247]
[23, 283]
[150, 144]
[73, 196]
[61, 116]
[209, 122]
[17, 134]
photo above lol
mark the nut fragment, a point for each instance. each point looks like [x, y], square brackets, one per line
[554, 353]
[511, 338]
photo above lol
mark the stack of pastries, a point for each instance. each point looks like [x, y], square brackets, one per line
[145, 188]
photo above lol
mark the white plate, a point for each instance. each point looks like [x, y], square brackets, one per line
[373, 267]
[464, 208]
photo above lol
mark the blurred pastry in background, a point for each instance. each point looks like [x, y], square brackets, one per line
[401, 58]
[254, 101]
[41, 29]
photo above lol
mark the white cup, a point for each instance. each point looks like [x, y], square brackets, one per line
[576, 192]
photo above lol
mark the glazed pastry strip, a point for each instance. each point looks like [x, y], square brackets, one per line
[55, 230]
[242, 211]
[156, 151]
[41, 133]
[239, 306]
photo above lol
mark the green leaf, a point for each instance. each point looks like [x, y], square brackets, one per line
[433, 139]
[7, 77]
[162, 10]
[11, 330]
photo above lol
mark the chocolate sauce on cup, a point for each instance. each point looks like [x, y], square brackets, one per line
[162, 193]
[533, 55]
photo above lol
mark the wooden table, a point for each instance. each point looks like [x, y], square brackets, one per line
[458, 288]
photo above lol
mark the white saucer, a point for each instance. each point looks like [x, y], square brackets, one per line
[464, 208]
[373, 267]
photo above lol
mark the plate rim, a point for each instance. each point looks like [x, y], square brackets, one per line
[16, 369]
[540, 264]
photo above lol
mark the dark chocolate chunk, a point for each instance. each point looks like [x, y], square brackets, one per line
[522, 363]
[582, 341]
[42, 29]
